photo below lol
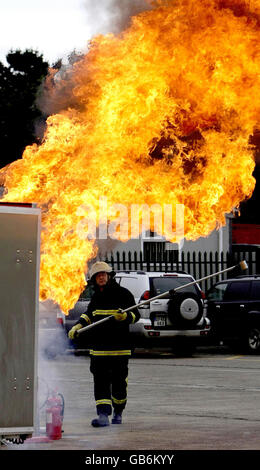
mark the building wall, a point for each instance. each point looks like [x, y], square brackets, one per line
[218, 240]
[248, 234]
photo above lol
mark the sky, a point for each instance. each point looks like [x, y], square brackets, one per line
[52, 27]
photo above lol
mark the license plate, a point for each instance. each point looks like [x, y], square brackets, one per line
[159, 321]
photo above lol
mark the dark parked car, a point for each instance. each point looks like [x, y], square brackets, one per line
[233, 308]
[80, 307]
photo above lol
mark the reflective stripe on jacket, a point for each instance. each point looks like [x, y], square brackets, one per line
[111, 338]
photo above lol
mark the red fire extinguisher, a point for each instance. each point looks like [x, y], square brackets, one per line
[54, 416]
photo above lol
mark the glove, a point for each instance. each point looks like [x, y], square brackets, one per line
[119, 316]
[73, 330]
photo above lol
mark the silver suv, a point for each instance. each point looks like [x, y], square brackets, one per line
[168, 320]
[176, 320]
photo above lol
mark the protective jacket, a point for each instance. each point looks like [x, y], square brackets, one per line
[111, 338]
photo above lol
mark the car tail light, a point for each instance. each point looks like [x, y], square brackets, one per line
[203, 333]
[203, 295]
[148, 327]
[145, 295]
[59, 319]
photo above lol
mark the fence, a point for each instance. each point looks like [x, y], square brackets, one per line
[197, 264]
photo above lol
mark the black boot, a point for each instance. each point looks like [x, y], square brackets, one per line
[117, 418]
[101, 421]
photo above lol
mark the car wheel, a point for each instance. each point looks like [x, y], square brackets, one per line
[253, 340]
[185, 309]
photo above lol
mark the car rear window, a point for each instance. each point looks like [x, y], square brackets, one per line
[237, 291]
[87, 293]
[164, 284]
[217, 292]
[134, 284]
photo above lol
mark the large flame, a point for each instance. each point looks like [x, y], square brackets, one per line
[163, 114]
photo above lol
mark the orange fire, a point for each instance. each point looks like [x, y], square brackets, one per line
[163, 115]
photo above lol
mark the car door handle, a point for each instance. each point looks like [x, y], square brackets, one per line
[157, 302]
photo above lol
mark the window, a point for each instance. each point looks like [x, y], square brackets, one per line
[157, 252]
[217, 292]
[238, 291]
[134, 285]
[255, 293]
[87, 293]
[164, 284]
[154, 251]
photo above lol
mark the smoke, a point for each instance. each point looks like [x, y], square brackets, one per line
[104, 16]
[105, 246]
[57, 93]
[113, 16]
[53, 344]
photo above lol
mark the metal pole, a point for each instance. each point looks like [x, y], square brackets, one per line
[243, 265]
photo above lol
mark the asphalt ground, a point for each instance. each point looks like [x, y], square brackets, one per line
[206, 402]
[181, 411]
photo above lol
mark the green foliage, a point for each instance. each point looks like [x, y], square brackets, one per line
[20, 82]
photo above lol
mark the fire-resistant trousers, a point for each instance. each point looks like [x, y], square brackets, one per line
[110, 382]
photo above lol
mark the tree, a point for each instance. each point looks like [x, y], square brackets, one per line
[20, 83]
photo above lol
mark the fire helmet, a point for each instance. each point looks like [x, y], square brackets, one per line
[99, 267]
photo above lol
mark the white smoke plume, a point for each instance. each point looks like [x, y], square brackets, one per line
[113, 16]
[103, 16]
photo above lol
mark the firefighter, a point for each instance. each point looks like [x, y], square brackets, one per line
[110, 342]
